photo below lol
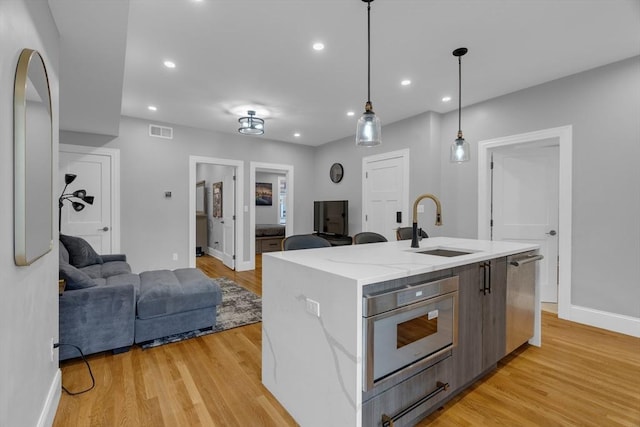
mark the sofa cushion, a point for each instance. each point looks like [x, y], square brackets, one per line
[80, 251]
[74, 278]
[164, 292]
[63, 254]
[107, 269]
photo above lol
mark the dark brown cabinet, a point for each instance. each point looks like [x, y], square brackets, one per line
[482, 319]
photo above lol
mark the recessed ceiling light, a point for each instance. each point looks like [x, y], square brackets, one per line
[446, 99]
[169, 64]
[152, 108]
[405, 82]
[350, 113]
[318, 46]
[297, 134]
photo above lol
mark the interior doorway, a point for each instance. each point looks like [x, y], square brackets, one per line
[225, 227]
[385, 192]
[561, 138]
[524, 204]
[286, 172]
[98, 172]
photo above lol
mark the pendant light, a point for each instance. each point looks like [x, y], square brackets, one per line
[251, 125]
[368, 132]
[460, 149]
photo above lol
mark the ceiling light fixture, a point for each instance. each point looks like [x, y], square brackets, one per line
[405, 82]
[446, 98]
[152, 108]
[351, 113]
[318, 46]
[460, 149]
[169, 64]
[368, 132]
[251, 125]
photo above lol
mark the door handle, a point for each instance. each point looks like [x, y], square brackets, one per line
[551, 233]
[105, 228]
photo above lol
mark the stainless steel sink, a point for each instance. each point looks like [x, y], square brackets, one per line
[444, 252]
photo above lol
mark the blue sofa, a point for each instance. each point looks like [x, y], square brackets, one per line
[106, 307]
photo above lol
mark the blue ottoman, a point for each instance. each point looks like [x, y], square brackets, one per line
[172, 302]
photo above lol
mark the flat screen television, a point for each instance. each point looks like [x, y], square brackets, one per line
[331, 217]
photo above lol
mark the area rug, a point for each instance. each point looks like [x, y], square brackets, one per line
[239, 307]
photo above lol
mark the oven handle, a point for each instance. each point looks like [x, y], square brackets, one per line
[412, 306]
[388, 421]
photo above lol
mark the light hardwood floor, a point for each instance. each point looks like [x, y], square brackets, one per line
[581, 376]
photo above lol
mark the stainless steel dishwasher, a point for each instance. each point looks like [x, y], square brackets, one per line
[521, 291]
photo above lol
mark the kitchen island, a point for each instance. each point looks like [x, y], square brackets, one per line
[314, 333]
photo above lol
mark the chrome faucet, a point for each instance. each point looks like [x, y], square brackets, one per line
[414, 236]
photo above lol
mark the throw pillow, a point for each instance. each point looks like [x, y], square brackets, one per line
[75, 279]
[80, 251]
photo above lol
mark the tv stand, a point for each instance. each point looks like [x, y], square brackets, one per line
[336, 240]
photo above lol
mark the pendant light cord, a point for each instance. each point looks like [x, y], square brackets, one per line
[369, 51]
[459, 93]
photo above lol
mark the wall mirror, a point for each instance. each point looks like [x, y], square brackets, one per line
[201, 199]
[33, 153]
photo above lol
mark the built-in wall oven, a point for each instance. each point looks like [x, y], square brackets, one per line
[408, 327]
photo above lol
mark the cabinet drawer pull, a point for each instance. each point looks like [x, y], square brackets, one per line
[388, 421]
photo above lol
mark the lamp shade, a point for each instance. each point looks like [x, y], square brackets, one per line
[369, 130]
[77, 206]
[460, 150]
[68, 178]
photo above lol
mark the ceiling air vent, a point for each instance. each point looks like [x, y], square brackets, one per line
[161, 131]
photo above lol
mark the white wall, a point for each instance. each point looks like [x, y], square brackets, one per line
[603, 105]
[29, 380]
[153, 227]
[417, 134]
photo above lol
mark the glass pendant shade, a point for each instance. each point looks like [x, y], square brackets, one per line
[251, 125]
[460, 150]
[369, 130]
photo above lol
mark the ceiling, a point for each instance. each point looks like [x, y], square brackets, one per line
[234, 54]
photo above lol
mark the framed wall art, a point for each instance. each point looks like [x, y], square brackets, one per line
[264, 194]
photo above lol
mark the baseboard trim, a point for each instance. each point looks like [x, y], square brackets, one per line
[50, 407]
[627, 325]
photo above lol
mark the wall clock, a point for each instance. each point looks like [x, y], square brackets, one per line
[336, 172]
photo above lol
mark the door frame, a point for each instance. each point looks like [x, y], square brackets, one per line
[287, 170]
[114, 154]
[564, 137]
[238, 224]
[404, 155]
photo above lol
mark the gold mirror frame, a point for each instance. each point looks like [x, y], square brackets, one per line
[33, 154]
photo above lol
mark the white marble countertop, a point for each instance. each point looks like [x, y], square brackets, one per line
[376, 262]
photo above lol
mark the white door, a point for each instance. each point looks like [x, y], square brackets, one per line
[228, 221]
[93, 174]
[385, 194]
[525, 206]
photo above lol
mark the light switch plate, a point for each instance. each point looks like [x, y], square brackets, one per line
[313, 307]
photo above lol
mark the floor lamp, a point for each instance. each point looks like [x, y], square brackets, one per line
[78, 194]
